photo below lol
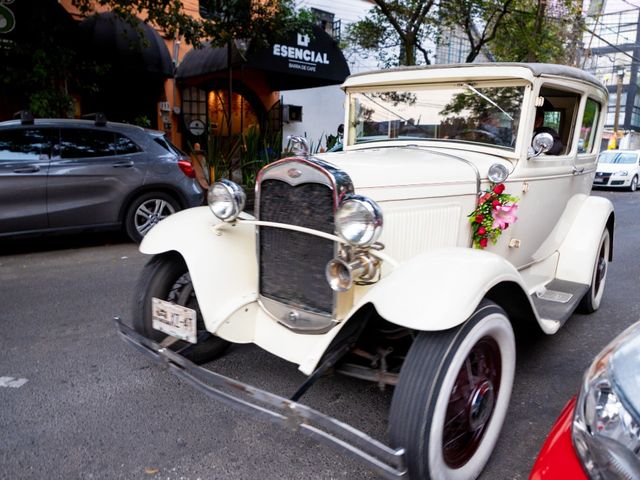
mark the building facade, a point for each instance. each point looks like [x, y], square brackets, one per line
[225, 99]
[316, 113]
[612, 54]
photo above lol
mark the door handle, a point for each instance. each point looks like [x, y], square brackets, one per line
[124, 164]
[27, 169]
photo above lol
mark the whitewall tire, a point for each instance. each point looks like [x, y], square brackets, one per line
[452, 396]
[592, 299]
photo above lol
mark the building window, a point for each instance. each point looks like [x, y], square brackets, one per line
[194, 105]
[326, 21]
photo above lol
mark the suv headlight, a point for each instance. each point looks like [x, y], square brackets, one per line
[606, 428]
[226, 200]
[359, 221]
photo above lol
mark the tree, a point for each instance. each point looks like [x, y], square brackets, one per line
[512, 30]
[42, 64]
[393, 24]
[411, 24]
[540, 31]
[261, 22]
[480, 20]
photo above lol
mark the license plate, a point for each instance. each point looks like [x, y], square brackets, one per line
[174, 320]
[598, 180]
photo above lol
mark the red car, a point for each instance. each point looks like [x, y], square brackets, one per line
[597, 435]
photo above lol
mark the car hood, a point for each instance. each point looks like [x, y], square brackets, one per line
[615, 167]
[392, 173]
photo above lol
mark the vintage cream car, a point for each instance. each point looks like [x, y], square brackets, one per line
[408, 259]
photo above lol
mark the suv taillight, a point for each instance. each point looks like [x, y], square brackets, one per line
[187, 168]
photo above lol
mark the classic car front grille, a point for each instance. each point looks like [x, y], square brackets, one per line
[292, 264]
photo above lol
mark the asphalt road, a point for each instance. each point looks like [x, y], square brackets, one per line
[94, 408]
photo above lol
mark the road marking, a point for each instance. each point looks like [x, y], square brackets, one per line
[12, 382]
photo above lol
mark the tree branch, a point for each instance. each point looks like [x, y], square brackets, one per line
[484, 38]
[382, 4]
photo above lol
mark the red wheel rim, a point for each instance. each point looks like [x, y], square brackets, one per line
[471, 402]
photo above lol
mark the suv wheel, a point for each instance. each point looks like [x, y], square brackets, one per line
[146, 211]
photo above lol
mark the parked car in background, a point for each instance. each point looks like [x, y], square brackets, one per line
[618, 168]
[597, 435]
[58, 175]
[456, 215]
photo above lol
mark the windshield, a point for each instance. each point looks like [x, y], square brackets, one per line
[466, 112]
[617, 157]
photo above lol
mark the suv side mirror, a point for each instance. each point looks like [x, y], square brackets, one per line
[542, 143]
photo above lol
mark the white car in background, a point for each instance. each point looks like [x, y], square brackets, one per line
[618, 168]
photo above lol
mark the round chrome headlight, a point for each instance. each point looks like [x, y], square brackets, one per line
[497, 173]
[226, 200]
[359, 221]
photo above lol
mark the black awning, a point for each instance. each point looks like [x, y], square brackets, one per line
[126, 47]
[203, 61]
[300, 62]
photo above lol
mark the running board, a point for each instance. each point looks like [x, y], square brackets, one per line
[387, 462]
[557, 301]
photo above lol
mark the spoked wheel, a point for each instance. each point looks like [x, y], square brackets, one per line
[452, 396]
[471, 403]
[591, 300]
[166, 277]
[146, 211]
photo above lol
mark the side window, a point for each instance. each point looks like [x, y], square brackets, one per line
[165, 143]
[86, 143]
[125, 145]
[557, 116]
[24, 144]
[588, 128]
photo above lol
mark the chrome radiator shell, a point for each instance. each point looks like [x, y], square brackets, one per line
[304, 192]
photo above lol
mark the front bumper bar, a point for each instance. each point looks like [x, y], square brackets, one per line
[382, 459]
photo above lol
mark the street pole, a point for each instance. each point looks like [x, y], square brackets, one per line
[616, 118]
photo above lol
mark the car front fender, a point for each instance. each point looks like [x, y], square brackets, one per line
[439, 289]
[222, 262]
[433, 291]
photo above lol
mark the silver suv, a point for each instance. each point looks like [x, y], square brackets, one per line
[58, 175]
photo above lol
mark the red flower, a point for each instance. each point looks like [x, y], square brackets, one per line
[495, 203]
[485, 197]
[482, 231]
[483, 242]
[479, 218]
[498, 189]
